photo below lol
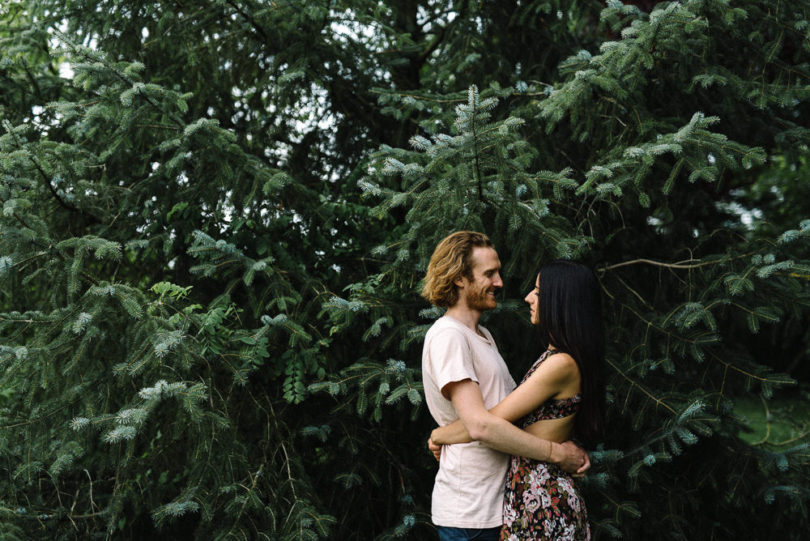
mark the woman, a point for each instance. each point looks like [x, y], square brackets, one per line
[561, 395]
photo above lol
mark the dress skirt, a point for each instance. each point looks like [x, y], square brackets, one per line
[542, 502]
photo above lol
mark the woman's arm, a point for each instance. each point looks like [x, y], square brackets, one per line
[557, 374]
[502, 435]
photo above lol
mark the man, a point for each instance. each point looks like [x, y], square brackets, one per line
[464, 376]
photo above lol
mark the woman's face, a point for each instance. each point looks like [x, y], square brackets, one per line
[533, 300]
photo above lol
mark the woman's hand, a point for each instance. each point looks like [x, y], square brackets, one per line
[570, 458]
[435, 448]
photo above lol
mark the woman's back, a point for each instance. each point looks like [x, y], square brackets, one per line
[554, 419]
[541, 501]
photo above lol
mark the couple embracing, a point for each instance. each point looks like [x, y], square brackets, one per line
[507, 467]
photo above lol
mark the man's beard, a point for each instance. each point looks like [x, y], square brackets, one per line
[479, 300]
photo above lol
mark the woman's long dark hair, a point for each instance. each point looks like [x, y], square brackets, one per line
[571, 322]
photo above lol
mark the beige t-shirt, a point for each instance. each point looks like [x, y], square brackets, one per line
[468, 492]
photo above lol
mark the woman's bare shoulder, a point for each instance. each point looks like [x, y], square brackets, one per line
[560, 366]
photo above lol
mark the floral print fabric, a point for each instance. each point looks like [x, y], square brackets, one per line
[541, 500]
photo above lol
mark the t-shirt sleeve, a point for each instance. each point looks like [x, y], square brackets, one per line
[451, 358]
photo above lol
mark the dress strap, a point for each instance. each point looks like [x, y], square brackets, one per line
[549, 352]
[545, 355]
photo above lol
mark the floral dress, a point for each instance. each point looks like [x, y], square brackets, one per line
[541, 500]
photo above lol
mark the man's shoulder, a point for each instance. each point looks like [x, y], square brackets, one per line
[445, 325]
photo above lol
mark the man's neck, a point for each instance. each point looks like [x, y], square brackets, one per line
[469, 317]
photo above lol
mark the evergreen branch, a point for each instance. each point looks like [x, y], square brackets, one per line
[24, 224]
[101, 59]
[19, 218]
[32, 79]
[22, 262]
[679, 265]
[663, 433]
[619, 506]
[40, 418]
[473, 124]
[86, 516]
[44, 176]
[658, 328]
[250, 20]
[634, 292]
[290, 477]
[634, 383]
[750, 374]
[159, 127]
[801, 436]
[417, 96]
[254, 478]
[434, 44]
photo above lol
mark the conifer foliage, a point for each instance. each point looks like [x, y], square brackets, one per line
[216, 216]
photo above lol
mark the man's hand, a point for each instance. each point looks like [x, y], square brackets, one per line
[570, 458]
[435, 449]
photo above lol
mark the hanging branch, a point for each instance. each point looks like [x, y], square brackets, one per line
[62, 203]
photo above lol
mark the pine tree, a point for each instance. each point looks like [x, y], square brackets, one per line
[648, 146]
[216, 217]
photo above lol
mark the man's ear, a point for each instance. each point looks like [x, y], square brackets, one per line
[459, 281]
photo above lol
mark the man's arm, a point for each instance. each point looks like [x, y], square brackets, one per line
[502, 435]
[455, 432]
[558, 373]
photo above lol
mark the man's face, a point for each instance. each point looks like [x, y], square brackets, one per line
[479, 291]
